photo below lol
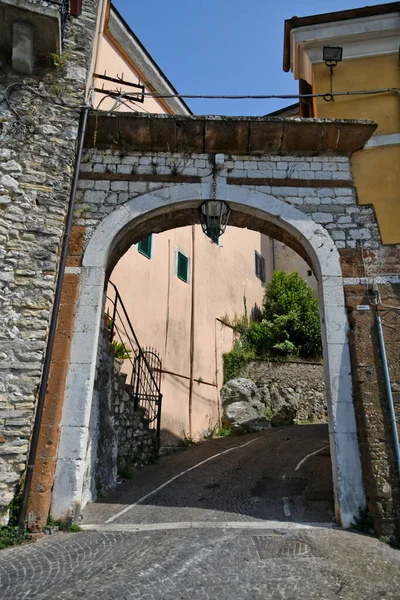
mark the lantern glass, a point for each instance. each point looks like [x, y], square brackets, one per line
[214, 215]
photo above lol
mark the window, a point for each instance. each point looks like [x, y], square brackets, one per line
[259, 265]
[144, 246]
[309, 273]
[182, 267]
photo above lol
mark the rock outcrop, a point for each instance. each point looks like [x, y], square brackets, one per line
[242, 406]
[279, 393]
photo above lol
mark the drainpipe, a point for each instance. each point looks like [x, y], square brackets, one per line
[192, 332]
[53, 324]
[388, 388]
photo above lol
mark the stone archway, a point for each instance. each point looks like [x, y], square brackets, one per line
[166, 208]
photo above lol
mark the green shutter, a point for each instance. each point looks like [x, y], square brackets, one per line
[144, 246]
[259, 266]
[182, 267]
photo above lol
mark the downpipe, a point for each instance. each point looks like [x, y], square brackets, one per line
[53, 325]
[388, 386]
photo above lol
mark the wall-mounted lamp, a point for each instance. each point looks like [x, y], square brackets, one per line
[331, 55]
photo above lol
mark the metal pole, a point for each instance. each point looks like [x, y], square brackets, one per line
[53, 326]
[388, 388]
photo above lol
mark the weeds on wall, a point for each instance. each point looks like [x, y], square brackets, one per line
[9, 533]
[288, 327]
[120, 350]
[219, 431]
[56, 525]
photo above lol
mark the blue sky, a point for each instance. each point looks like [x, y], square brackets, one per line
[223, 46]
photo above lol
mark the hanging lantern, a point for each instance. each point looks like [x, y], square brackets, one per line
[214, 215]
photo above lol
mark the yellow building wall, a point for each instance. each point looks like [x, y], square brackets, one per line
[376, 170]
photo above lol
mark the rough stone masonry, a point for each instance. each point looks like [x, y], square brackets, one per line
[36, 162]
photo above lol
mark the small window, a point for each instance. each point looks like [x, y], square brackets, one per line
[182, 267]
[309, 273]
[144, 246]
[259, 265]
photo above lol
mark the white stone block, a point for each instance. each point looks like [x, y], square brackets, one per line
[322, 217]
[347, 476]
[82, 347]
[125, 169]
[336, 325]
[338, 235]
[360, 234]
[326, 192]
[67, 490]
[340, 175]
[79, 393]
[301, 166]
[312, 201]
[130, 160]
[348, 191]
[119, 186]
[137, 187]
[101, 185]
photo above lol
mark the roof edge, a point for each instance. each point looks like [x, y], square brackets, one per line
[342, 15]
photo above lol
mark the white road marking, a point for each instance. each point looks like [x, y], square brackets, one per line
[303, 460]
[160, 487]
[286, 508]
[236, 525]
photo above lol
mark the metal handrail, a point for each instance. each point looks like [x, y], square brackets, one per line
[145, 376]
[119, 299]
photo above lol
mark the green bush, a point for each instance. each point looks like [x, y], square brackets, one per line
[290, 324]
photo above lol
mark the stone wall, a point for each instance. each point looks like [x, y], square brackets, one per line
[119, 439]
[381, 478]
[110, 178]
[36, 162]
[294, 391]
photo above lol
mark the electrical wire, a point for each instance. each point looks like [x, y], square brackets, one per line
[329, 95]
[127, 96]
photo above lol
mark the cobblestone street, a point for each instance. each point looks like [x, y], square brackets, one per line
[221, 529]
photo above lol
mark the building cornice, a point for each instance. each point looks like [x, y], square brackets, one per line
[372, 31]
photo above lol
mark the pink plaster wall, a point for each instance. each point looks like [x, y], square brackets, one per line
[160, 306]
[111, 62]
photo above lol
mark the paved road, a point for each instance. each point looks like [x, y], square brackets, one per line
[242, 478]
[219, 531]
